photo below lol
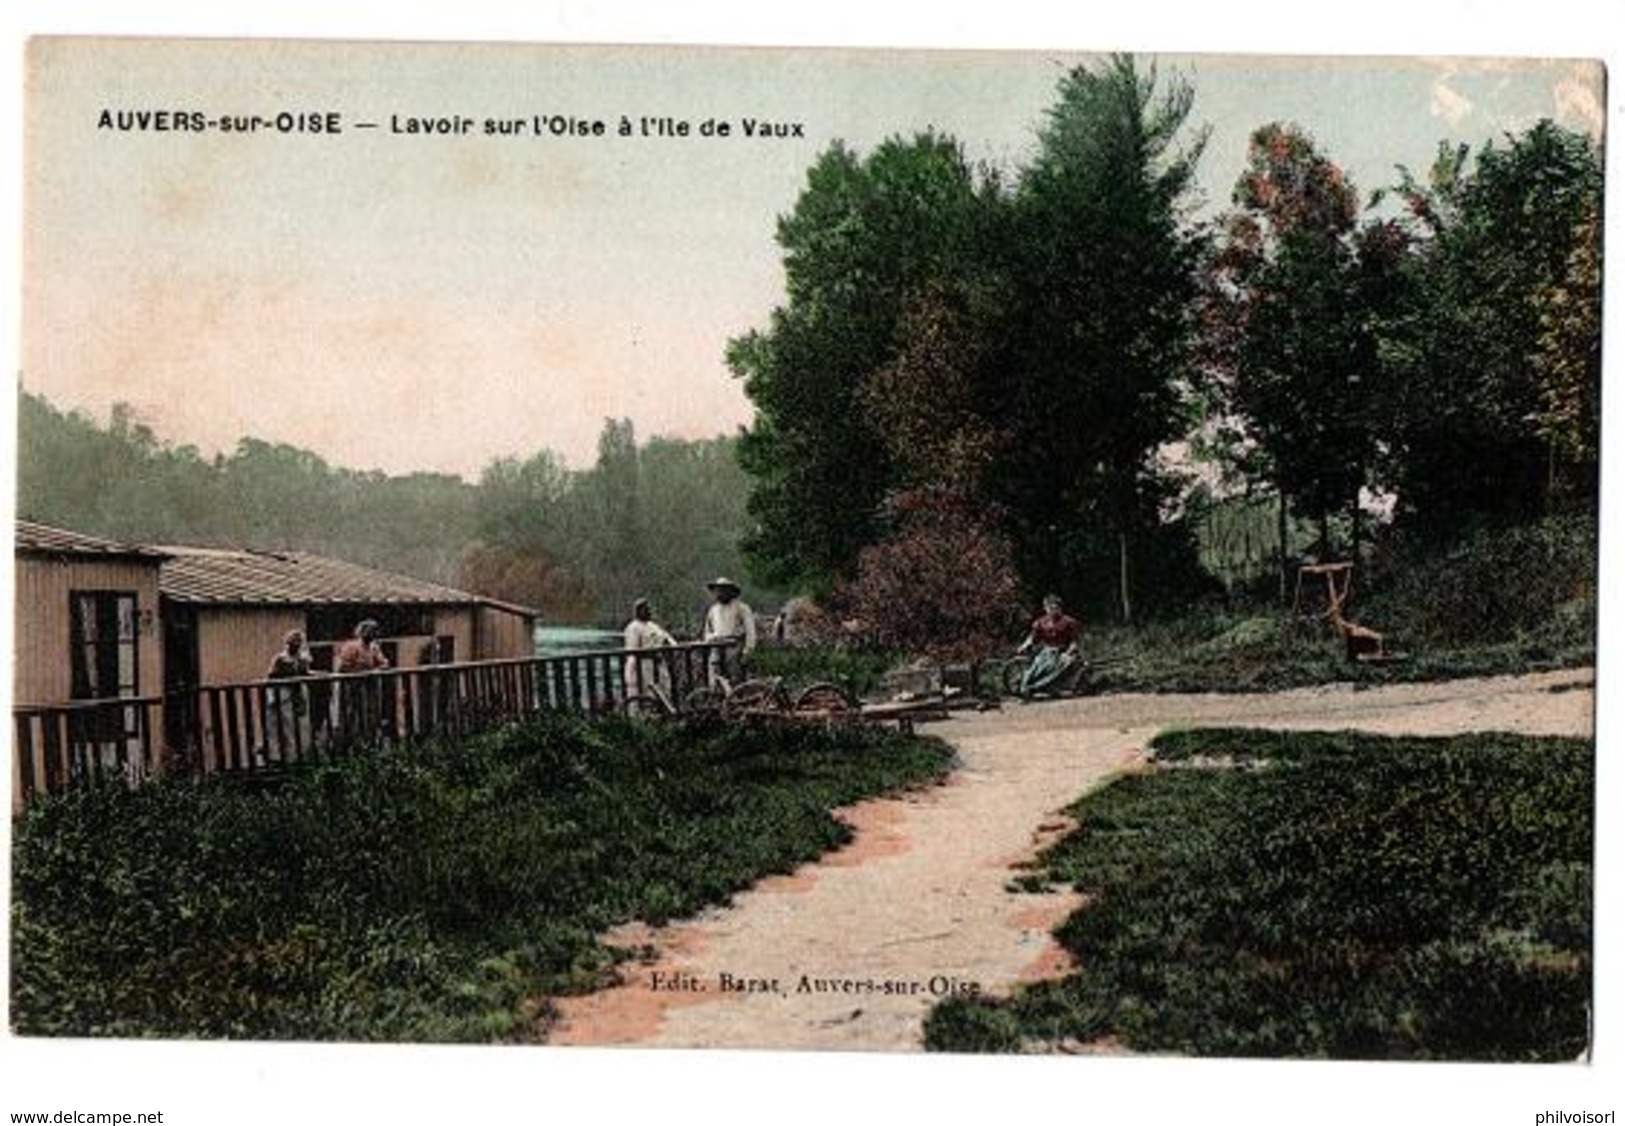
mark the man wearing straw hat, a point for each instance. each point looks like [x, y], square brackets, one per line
[728, 619]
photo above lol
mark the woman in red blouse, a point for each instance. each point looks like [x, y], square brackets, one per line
[1054, 635]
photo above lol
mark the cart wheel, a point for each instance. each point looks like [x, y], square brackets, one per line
[704, 702]
[824, 697]
[765, 694]
[646, 706]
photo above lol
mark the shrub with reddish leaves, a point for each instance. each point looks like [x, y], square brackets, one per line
[942, 583]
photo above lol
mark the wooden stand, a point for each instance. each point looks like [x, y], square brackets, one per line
[1337, 579]
[1362, 643]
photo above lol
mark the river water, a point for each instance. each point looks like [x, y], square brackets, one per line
[554, 640]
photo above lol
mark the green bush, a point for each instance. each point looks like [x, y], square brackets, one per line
[859, 671]
[972, 1024]
[1537, 582]
[424, 895]
[1345, 896]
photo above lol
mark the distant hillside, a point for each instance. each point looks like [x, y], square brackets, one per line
[124, 481]
[653, 520]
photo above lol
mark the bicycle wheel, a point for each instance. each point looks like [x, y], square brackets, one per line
[1080, 680]
[1014, 672]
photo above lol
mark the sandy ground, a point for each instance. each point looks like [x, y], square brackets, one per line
[851, 952]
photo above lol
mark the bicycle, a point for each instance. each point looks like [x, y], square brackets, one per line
[1006, 675]
[768, 697]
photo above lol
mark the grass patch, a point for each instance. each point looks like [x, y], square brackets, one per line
[1265, 652]
[1349, 897]
[424, 895]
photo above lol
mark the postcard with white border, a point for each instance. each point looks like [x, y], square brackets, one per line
[869, 550]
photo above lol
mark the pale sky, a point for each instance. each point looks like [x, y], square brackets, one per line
[409, 302]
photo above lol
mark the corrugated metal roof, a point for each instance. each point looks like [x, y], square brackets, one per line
[238, 577]
[248, 578]
[42, 539]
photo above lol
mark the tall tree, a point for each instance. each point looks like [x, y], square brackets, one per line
[1100, 337]
[932, 405]
[865, 235]
[1568, 359]
[1297, 277]
[653, 520]
[1494, 386]
[693, 517]
[606, 506]
[942, 580]
[520, 503]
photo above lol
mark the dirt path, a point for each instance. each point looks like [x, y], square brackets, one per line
[851, 952]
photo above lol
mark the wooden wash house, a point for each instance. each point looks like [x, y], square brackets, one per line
[226, 613]
[101, 620]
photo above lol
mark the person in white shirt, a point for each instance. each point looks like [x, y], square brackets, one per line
[645, 675]
[729, 619]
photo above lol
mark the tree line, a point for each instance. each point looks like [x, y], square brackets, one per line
[654, 519]
[1021, 370]
[649, 519]
[986, 383]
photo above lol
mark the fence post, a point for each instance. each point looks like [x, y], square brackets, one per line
[24, 724]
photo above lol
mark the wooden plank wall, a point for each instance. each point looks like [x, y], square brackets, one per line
[504, 634]
[458, 622]
[236, 643]
[44, 673]
[43, 669]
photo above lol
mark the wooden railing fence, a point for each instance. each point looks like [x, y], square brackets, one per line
[268, 724]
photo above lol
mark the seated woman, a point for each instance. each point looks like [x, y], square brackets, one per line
[1054, 635]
